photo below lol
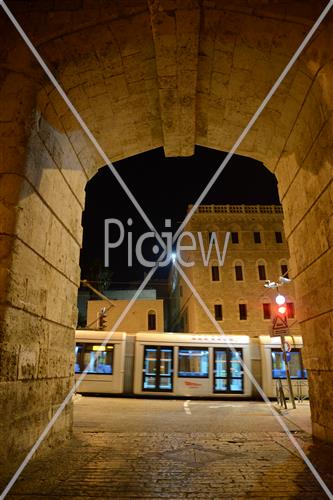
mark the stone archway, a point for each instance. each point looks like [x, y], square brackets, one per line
[145, 74]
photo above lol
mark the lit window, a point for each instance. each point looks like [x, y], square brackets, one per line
[193, 362]
[262, 271]
[257, 237]
[284, 270]
[296, 368]
[157, 368]
[228, 370]
[266, 310]
[151, 320]
[94, 358]
[218, 312]
[290, 310]
[239, 273]
[234, 237]
[242, 311]
[215, 273]
[278, 236]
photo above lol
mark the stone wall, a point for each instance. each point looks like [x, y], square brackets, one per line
[135, 321]
[145, 74]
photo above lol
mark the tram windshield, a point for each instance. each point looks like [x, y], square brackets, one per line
[98, 358]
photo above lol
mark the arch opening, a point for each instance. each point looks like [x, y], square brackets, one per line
[47, 161]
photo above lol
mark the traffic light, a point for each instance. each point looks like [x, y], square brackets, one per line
[281, 303]
[102, 319]
[282, 310]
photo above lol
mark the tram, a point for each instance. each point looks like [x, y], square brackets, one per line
[183, 364]
[106, 363]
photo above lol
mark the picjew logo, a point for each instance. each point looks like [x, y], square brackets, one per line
[194, 243]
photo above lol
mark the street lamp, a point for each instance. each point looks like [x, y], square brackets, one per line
[280, 326]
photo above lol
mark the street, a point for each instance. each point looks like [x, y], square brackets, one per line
[150, 448]
[156, 415]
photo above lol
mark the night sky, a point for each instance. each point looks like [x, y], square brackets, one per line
[164, 187]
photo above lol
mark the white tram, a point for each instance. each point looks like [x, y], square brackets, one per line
[184, 364]
[273, 366]
[106, 364]
[190, 365]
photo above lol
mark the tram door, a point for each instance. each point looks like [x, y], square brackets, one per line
[157, 368]
[228, 371]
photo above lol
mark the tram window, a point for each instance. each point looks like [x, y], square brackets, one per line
[228, 371]
[295, 364]
[98, 358]
[157, 368]
[192, 362]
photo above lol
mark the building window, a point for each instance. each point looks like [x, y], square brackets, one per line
[278, 236]
[242, 311]
[266, 308]
[257, 237]
[296, 368]
[234, 237]
[239, 273]
[262, 271]
[290, 310]
[215, 273]
[218, 312]
[193, 362]
[96, 358]
[284, 271]
[151, 320]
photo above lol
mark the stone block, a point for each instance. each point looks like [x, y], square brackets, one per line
[9, 354]
[28, 363]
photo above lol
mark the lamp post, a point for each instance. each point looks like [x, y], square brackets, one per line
[280, 327]
[282, 316]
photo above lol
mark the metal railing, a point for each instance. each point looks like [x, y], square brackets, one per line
[301, 391]
[238, 209]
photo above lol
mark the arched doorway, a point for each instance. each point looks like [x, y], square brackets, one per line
[143, 77]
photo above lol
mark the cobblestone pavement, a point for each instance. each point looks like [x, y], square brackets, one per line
[196, 465]
[177, 465]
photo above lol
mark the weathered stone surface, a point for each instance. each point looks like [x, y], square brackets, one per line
[144, 74]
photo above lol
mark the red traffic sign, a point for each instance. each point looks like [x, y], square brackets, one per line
[280, 326]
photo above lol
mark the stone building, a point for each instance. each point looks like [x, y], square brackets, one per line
[144, 315]
[234, 292]
[85, 295]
